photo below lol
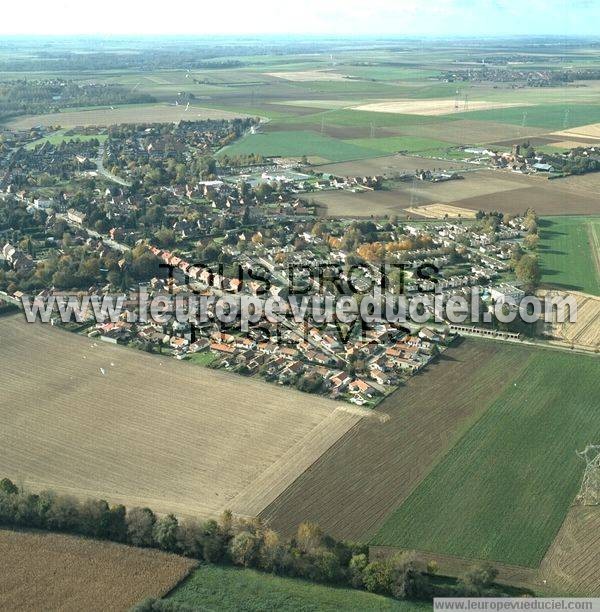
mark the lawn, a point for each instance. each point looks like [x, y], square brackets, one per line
[203, 359]
[504, 489]
[225, 588]
[296, 144]
[569, 251]
[59, 136]
[549, 116]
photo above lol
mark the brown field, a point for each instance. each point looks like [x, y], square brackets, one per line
[155, 113]
[152, 432]
[474, 184]
[49, 571]
[546, 197]
[585, 332]
[468, 131]
[390, 165]
[441, 211]
[364, 203]
[430, 107]
[571, 563]
[354, 486]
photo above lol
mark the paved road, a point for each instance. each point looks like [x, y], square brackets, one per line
[119, 246]
[104, 172]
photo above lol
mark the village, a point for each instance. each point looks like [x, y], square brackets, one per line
[175, 221]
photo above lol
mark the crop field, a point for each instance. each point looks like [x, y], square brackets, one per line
[182, 439]
[223, 588]
[571, 564]
[552, 117]
[134, 113]
[474, 184]
[570, 253]
[390, 165]
[546, 197]
[442, 211]
[363, 204]
[592, 132]
[360, 480]
[297, 144]
[49, 571]
[504, 490]
[393, 144]
[584, 333]
[429, 107]
[309, 75]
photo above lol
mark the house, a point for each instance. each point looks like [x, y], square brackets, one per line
[506, 292]
[219, 347]
[362, 387]
[340, 380]
[76, 216]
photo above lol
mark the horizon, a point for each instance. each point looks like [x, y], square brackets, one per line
[381, 18]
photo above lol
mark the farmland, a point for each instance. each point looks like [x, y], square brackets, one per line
[570, 251]
[297, 144]
[503, 491]
[355, 485]
[51, 572]
[584, 333]
[428, 107]
[571, 564]
[182, 439]
[154, 113]
[220, 588]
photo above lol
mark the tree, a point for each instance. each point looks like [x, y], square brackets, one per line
[528, 272]
[8, 487]
[377, 577]
[95, 518]
[357, 566]
[309, 537]
[165, 533]
[189, 538]
[140, 525]
[479, 578]
[63, 514]
[244, 548]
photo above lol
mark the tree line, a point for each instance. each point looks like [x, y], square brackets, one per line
[310, 554]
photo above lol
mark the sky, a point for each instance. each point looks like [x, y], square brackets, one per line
[339, 17]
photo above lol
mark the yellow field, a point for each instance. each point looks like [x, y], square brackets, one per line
[570, 144]
[49, 571]
[308, 75]
[430, 107]
[153, 113]
[591, 131]
[571, 564]
[441, 211]
[151, 431]
[585, 332]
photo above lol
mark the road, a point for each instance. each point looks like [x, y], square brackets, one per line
[113, 244]
[104, 172]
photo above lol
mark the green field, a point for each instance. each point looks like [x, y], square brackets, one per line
[411, 144]
[59, 136]
[503, 491]
[567, 247]
[296, 144]
[549, 116]
[225, 588]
